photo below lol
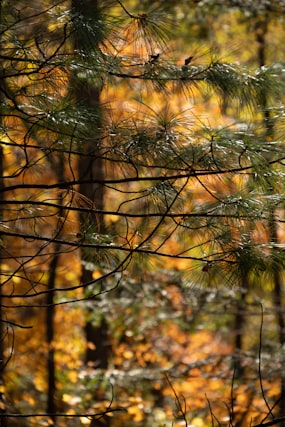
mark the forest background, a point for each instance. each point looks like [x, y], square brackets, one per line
[142, 213]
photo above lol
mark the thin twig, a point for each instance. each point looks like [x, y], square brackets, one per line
[61, 415]
[126, 10]
[10, 323]
[231, 409]
[259, 364]
[213, 416]
[180, 409]
[271, 423]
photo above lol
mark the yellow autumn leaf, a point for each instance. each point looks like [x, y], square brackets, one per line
[198, 422]
[91, 345]
[71, 276]
[72, 375]
[136, 412]
[16, 279]
[40, 383]
[128, 354]
[96, 274]
[85, 420]
[66, 397]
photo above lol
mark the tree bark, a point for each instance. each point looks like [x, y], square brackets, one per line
[239, 323]
[3, 421]
[91, 168]
[279, 309]
[261, 31]
[50, 313]
[51, 407]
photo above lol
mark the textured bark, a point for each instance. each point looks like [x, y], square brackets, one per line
[91, 168]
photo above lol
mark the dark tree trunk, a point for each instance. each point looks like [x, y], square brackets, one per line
[90, 169]
[239, 324]
[3, 420]
[3, 331]
[261, 31]
[51, 407]
[279, 310]
[50, 313]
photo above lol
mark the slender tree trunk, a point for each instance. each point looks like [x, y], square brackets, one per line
[3, 420]
[239, 324]
[50, 313]
[91, 168]
[279, 308]
[261, 31]
[51, 407]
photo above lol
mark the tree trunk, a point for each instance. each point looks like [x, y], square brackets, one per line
[91, 168]
[50, 313]
[279, 309]
[3, 421]
[51, 407]
[261, 31]
[238, 340]
[239, 324]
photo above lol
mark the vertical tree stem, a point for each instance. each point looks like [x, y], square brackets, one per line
[51, 407]
[261, 31]
[3, 421]
[50, 313]
[91, 167]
